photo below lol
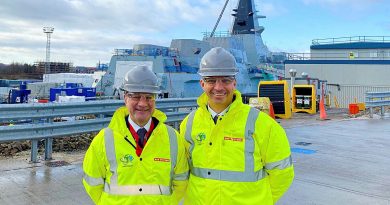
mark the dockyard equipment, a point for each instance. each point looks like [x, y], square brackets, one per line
[19, 95]
[88, 92]
[362, 106]
[304, 99]
[218, 62]
[336, 102]
[140, 79]
[263, 104]
[277, 92]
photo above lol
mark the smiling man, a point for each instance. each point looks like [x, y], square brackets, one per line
[237, 155]
[137, 159]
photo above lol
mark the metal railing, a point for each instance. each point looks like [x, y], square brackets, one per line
[377, 99]
[207, 34]
[39, 120]
[358, 55]
[351, 39]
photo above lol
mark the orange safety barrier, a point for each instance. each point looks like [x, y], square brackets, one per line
[353, 108]
[43, 100]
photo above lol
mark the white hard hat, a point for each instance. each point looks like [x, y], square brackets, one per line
[217, 62]
[140, 79]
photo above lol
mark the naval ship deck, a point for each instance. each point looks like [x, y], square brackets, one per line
[338, 161]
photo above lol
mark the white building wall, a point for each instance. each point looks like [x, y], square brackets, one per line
[345, 54]
[345, 74]
[347, 83]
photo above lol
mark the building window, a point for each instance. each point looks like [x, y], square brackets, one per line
[374, 54]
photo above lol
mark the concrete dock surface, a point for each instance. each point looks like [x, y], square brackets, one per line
[338, 161]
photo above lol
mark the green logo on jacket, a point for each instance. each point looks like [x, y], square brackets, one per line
[127, 160]
[200, 137]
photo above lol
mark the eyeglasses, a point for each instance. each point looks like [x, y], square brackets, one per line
[213, 80]
[137, 97]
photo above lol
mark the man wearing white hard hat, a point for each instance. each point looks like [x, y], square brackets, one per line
[237, 155]
[137, 159]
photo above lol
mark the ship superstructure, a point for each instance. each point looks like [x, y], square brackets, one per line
[177, 65]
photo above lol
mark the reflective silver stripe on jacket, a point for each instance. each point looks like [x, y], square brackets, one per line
[232, 176]
[282, 164]
[249, 175]
[249, 149]
[181, 177]
[93, 181]
[138, 189]
[188, 137]
[173, 153]
[114, 188]
[173, 146]
[111, 157]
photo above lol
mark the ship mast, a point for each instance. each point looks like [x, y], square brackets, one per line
[219, 18]
[245, 19]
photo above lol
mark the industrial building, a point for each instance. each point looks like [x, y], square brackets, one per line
[351, 66]
[54, 67]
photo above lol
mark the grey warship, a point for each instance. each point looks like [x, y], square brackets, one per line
[177, 65]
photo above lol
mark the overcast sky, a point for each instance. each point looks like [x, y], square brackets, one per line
[87, 31]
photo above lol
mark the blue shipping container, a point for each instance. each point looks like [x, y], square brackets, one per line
[54, 92]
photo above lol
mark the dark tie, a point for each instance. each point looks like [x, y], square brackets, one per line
[215, 119]
[141, 136]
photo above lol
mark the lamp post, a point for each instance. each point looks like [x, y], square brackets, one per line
[48, 31]
[293, 73]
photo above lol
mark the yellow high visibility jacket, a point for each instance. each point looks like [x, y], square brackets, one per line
[243, 159]
[114, 174]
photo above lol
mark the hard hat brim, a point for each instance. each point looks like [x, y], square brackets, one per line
[218, 72]
[140, 88]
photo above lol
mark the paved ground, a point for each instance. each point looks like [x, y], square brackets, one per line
[338, 161]
[23, 183]
[350, 163]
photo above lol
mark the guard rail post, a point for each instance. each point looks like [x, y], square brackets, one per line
[371, 112]
[49, 145]
[48, 148]
[34, 147]
[382, 111]
[34, 150]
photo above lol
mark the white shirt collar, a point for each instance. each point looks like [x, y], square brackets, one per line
[213, 113]
[137, 127]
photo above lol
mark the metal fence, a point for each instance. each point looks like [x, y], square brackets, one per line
[377, 99]
[44, 121]
[342, 95]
